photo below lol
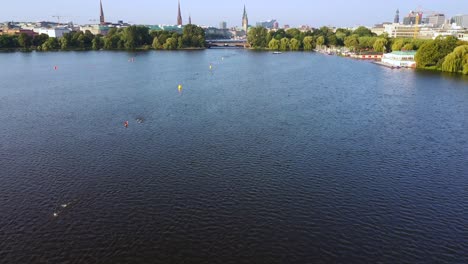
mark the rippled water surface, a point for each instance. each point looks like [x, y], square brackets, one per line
[292, 158]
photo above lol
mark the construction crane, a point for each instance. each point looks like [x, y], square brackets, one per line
[419, 14]
[58, 19]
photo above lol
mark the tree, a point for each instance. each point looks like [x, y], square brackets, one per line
[274, 44]
[171, 44]
[284, 44]
[398, 44]
[295, 44]
[457, 60]
[408, 46]
[64, 43]
[432, 53]
[352, 42]
[320, 41]
[309, 43]
[50, 44]
[156, 45]
[379, 45]
[38, 40]
[363, 32]
[97, 43]
[24, 40]
[257, 37]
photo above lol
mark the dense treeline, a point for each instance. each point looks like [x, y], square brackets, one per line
[129, 38]
[446, 54]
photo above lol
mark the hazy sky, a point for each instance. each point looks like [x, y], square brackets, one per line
[211, 12]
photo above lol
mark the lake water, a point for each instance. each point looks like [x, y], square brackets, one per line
[291, 158]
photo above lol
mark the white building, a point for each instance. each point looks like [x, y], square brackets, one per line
[403, 59]
[53, 32]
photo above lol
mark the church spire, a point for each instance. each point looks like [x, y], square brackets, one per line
[101, 17]
[397, 17]
[179, 17]
[190, 19]
[245, 21]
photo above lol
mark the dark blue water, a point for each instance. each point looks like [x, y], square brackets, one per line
[292, 158]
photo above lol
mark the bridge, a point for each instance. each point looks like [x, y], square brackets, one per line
[227, 43]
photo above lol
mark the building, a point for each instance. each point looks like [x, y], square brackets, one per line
[223, 25]
[461, 20]
[286, 26]
[276, 25]
[56, 32]
[396, 20]
[436, 20]
[95, 29]
[400, 59]
[102, 21]
[179, 16]
[379, 29]
[408, 31]
[245, 21]
[413, 18]
[270, 24]
[190, 19]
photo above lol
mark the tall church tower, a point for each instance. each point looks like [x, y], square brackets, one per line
[101, 17]
[179, 17]
[397, 17]
[245, 21]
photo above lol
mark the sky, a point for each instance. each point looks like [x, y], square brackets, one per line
[344, 13]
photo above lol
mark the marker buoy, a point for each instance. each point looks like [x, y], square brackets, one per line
[180, 88]
[126, 124]
[55, 67]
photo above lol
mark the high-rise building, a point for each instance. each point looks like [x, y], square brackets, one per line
[223, 25]
[179, 16]
[461, 20]
[270, 24]
[436, 20]
[190, 19]
[397, 17]
[245, 21]
[101, 17]
[276, 25]
[413, 18]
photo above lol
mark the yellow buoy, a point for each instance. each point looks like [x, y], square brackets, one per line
[180, 87]
[211, 67]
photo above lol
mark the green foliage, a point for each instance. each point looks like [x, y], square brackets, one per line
[363, 32]
[408, 46]
[284, 44]
[352, 42]
[432, 53]
[309, 43]
[156, 44]
[97, 43]
[257, 37]
[379, 45]
[295, 44]
[50, 44]
[8, 42]
[274, 44]
[320, 41]
[171, 44]
[24, 41]
[456, 61]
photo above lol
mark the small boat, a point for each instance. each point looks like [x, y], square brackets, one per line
[277, 52]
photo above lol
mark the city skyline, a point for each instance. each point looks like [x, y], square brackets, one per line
[295, 13]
